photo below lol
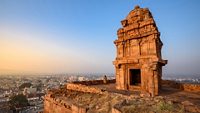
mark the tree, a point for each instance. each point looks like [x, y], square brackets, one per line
[18, 101]
[22, 86]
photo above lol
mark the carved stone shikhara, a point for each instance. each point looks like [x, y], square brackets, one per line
[138, 63]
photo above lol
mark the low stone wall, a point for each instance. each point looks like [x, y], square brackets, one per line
[191, 87]
[83, 88]
[181, 86]
[56, 105]
[93, 82]
[53, 105]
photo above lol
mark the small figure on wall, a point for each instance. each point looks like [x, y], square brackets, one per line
[105, 79]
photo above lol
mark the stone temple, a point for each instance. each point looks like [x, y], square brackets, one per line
[139, 62]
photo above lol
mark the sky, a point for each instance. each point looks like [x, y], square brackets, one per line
[76, 36]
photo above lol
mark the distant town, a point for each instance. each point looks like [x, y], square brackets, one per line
[34, 87]
[194, 79]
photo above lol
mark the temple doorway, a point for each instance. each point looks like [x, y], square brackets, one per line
[135, 77]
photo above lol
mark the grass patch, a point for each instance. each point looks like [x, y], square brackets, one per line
[164, 107]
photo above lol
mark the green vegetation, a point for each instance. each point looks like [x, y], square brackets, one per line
[22, 86]
[39, 86]
[164, 107]
[18, 101]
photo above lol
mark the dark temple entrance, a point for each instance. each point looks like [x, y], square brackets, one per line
[135, 77]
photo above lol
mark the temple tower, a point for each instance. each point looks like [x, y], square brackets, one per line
[138, 63]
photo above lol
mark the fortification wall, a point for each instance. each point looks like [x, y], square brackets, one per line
[83, 88]
[93, 82]
[181, 86]
[53, 105]
[56, 105]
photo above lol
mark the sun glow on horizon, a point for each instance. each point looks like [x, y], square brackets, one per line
[25, 52]
[29, 53]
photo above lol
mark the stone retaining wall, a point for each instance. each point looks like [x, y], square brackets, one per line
[53, 105]
[181, 86]
[83, 88]
[93, 82]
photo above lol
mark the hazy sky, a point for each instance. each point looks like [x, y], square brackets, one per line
[58, 36]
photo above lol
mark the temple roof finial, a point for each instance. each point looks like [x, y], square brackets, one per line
[137, 7]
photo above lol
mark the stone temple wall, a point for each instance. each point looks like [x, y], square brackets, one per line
[138, 57]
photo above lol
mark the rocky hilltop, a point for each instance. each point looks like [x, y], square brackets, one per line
[97, 97]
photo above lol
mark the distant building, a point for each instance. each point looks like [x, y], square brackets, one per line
[81, 78]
